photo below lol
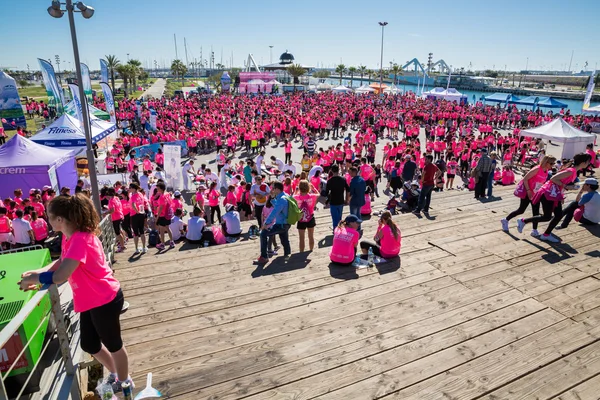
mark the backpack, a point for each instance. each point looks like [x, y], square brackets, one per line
[294, 213]
[153, 238]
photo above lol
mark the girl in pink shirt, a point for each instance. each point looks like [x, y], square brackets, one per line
[307, 200]
[345, 239]
[96, 293]
[39, 227]
[230, 197]
[388, 238]
[213, 201]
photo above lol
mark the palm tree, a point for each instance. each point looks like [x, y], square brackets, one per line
[396, 69]
[362, 69]
[340, 69]
[136, 70]
[296, 71]
[220, 66]
[369, 73]
[125, 72]
[352, 71]
[178, 68]
[113, 62]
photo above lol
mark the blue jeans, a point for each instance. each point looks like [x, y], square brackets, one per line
[425, 198]
[336, 214]
[277, 229]
[490, 184]
[355, 210]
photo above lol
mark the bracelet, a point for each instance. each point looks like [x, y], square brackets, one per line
[46, 278]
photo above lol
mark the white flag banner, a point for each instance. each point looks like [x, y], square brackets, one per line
[77, 101]
[590, 90]
[173, 166]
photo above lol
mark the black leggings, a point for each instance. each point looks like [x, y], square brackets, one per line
[137, 224]
[548, 207]
[214, 209]
[535, 209]
[288, 157]
[101, 325]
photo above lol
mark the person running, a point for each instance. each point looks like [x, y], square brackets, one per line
[97, 295]
[531, 183]
[551, 195]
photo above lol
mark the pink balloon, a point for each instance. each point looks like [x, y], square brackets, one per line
[4, 120]
[13, 123]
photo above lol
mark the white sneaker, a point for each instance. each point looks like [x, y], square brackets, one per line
[504, 223]
[535, 233]
[549, 238]
[144, 250]
[520, 225]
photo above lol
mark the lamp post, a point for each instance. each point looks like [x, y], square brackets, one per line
[271, 54]
[382, 24]
[57, 58]
[87, 12]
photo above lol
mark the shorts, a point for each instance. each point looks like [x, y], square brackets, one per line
[101, 325]
[450, 176]
[162, 221]
[137, 224]
[309, 224]
[7, 237]
[117, 226]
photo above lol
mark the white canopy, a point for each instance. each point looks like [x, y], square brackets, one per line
[341, 89]
[324, 86]
[67, 132]
[574, 140]
[365, 89]
[592, 110]
[392, 89]
[274, 82]
[256, 82]
[450, 94]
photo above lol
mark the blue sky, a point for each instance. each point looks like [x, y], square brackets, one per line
[485, 34]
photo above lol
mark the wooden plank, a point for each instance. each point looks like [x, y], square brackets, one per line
[571, 306]
[555, 378]
[587, 390]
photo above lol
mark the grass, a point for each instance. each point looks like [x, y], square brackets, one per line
[175, 84]
[37, 92]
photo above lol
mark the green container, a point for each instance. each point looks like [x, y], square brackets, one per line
[12, 300]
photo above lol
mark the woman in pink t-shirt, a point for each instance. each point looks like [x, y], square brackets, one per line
[213, 201]
[345, 239]
[97, 295]
[388, 238]
[115, 209]
[137, 206]
[307, 200]
[39, 227]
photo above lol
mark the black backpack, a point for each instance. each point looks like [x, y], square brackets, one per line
[153, 238]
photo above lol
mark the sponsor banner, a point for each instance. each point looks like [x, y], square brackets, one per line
[590, 90]
[153, 119]
[111, 179]
[53, 90]
[86, 82]
[53, 178]
[77, 101]
[173, 165]
[11, 111]
[151, 149]
[103, 71]
[110, 102]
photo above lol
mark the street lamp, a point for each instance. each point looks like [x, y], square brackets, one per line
[87, 12]
[382, 24]
[271, 54]
[57, 58]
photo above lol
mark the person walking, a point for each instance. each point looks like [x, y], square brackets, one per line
[277, 223]
[259, 192]
[428, 178]
[336, 190]
[356, 194]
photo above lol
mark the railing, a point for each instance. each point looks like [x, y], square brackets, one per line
[57, 329]
[108, 239]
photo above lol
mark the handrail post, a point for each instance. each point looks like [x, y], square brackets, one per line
[61, 329]
[3, 395]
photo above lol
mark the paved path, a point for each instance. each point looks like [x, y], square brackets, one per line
[156, 90]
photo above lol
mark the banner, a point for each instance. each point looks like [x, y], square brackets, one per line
[110, 179]
[153, 119]
[53, 90]
[53, 178]
[77, 101]
[109, 101]
[103, 71]
[138, 107]
[86, 82]
[590, 90]
[10, 103]
[151, 149]
[173, 166]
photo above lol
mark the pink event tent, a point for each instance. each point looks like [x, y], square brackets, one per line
[25, 165]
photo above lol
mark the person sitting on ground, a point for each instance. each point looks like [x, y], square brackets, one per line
[195, 227]
[410, 196]
[586, 207]
[231, 226]
[177, 226]
[388, 239]
[345, 239]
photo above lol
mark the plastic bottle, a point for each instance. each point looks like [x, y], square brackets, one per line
[371, 257]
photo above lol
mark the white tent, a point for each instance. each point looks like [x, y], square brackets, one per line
[324, 86]
[450, 94]
[365, 89]
[574, 140]
[66, 132]
[256, 82]
[592, 110]
[341, 89]
[392, 90]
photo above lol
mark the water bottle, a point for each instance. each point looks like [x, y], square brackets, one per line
[356, 262]
[206, 243]
[371, 257]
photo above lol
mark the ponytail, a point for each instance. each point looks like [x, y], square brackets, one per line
[386, 216]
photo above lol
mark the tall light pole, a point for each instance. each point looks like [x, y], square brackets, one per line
[382, 24]
[87, 12]
[57, 58]
[271, 54]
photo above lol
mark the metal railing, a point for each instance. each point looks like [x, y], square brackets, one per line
[108, 239]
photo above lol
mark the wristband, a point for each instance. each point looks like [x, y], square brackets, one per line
[46, 278]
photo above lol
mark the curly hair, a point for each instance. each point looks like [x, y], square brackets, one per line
[78, 210]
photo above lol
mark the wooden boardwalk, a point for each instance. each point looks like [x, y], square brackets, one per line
[471, 312]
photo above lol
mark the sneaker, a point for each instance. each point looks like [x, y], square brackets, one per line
[549, 238]
[144, 250]
[416, 212]
[535, 233]
[276, 248]
[160, 246]
[561, 227]
[520, 225]
[261, 260]
[117, 388]
[136, 252]
[172, 244]
[504, 223]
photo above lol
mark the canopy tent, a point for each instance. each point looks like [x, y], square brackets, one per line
[392, 90]
[324, 86]
[450, 94]
[592, 110]
[365, 89]
[574, 140]
[341, 89]
[93, 111]
[547, 102]
[502, 98]
[25, 165]
[66, 132]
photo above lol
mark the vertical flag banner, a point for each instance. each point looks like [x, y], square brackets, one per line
[53, 90]
[173, 165]
[153, 119]
[138, 107]
[103, 71]
[110, 101]
[86, 82]
[590, 90]
[10, 103]
[77, 101]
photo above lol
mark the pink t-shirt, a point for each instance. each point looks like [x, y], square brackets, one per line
[344, 245]
[390, 246]
[137, 199]
[40, 229]
[306, 204]
[115, 204]
[92, 282]
[213, 198]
